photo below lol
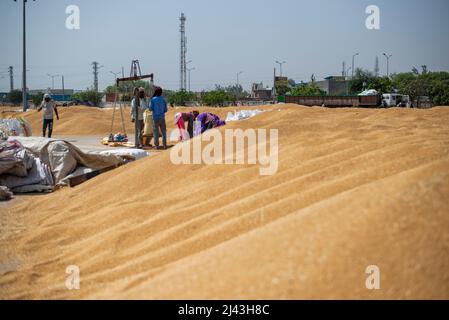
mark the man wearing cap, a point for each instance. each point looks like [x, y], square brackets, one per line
[49, 108]
[141, 106]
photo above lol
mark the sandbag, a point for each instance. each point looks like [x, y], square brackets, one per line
[148, 119]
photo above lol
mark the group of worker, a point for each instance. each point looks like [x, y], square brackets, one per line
[196, 123]
[158, 107]
[149, 116]
[156, 122]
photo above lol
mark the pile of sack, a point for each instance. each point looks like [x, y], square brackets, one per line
[14, 127]
[20, 171]
[31, 164]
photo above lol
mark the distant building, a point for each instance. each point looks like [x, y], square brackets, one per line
[259, 92]
[56, 94]
[334, 85]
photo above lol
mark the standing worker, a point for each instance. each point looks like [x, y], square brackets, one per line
[158, 106]
[138, 107]
[49, 108]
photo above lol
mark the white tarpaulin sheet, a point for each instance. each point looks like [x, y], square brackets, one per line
[29, 164]
[370, 92]
[63, 157]
[242, 115]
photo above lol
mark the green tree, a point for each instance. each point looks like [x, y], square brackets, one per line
[127, 87]
[179, 98]
[90, 96]
[15, 96]
[234, 92]
[364, 80]
[282, 90]
[215, 97]
[416, 84]
[37, 98]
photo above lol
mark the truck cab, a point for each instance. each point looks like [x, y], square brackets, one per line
[395, 100]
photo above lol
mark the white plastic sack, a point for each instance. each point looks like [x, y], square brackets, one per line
[15, 127]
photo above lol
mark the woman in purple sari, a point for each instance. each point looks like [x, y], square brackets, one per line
[209, 121]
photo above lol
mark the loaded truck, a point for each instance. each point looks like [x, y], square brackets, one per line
[385, 100]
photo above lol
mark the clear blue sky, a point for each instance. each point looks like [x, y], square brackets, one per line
[224, 37]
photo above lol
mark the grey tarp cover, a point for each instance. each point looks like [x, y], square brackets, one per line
[54, 160]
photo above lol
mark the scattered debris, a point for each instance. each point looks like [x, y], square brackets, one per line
[5, 194]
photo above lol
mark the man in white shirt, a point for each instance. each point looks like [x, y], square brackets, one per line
[141, 106]
[49, 109]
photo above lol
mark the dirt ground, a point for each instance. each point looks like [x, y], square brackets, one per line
[354, 188]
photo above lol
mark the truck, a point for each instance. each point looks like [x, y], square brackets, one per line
[395, 100]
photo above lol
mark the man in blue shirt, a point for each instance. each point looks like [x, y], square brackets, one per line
[158, 106]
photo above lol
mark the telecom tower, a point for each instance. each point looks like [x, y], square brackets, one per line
[183, 67]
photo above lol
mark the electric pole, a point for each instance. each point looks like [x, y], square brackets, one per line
[11, 78]
[353, 61]
[96, 67]
[115, 74]
[388, 56]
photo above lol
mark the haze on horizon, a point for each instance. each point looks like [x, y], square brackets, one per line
[314, 37]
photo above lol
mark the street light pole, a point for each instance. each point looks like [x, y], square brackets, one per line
[53, 76]
[24, 72]
[388, 56]
[353, 67]
[191, 69]
[280, 65]
[63, 89]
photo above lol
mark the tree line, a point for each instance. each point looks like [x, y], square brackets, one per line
[416, 84]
